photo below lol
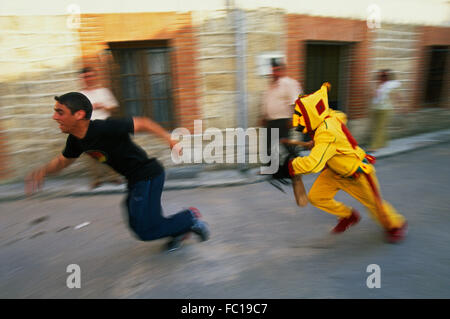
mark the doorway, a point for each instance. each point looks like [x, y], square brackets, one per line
[434, 86]
[328, 62]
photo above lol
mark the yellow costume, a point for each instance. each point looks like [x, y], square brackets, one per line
[344, 165]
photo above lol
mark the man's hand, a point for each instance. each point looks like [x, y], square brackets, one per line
[286, 170]
[34, 181]
[309, 145]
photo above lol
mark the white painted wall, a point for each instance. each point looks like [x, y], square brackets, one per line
[428, 12]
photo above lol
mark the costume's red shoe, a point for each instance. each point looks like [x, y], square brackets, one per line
[396, 235]
[345, 223]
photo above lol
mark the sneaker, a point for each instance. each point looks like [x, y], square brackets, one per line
[200, 228]
[176, 242]
[345, 223]
[195, 212]
[396, 235]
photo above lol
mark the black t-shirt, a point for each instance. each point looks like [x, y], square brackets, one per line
[110, 143]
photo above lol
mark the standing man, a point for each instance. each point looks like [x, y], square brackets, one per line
[278, 101]
[103, 104]
[109, 141]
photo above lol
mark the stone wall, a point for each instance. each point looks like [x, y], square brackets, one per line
[40, 59]
[217, 63]
[217, 70]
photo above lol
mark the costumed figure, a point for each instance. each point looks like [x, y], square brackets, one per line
[342, 164]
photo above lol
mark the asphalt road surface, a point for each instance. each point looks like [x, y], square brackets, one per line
[262, 244]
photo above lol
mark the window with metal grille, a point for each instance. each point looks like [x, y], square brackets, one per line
[143, 80]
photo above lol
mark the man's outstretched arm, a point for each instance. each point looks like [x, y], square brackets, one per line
[35, 179]
[144, 124]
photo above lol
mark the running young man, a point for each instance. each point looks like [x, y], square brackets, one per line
[109, 142]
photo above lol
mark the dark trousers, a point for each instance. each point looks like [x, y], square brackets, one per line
[282, 125]
[145, 212]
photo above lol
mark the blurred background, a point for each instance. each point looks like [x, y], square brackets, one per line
[179, 61]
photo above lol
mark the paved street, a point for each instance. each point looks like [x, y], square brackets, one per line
[262, 244]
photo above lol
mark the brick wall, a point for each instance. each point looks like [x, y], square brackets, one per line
[401, 48]
[430, 36]
[91, 35]
[302, 28]
[186, 78]
[97, 30]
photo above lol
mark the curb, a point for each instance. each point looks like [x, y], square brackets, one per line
[416, 148]
[243, 179]
[122, 190]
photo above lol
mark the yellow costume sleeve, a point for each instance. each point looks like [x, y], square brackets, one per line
[342, 117]
[324, 148]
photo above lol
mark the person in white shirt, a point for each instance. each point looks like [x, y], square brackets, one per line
[384, 103]
[102, 99]
[278, 102]
[103, 104]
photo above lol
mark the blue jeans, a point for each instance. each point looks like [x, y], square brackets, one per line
[145, 212]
